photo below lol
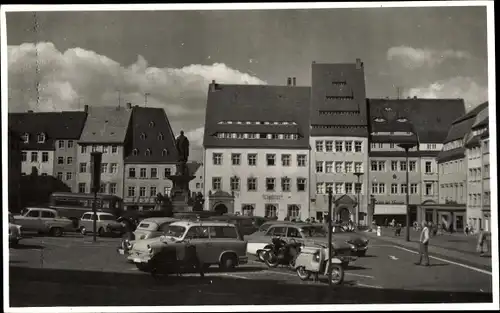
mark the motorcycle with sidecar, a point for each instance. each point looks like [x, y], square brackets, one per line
[281, 252]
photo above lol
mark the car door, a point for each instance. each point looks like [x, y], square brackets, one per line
[199, 236]
[84, 222]
[31, 220]
[225, 238]
[46, 218]
[293, 235]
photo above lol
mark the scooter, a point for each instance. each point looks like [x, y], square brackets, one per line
[314, 261]
[281, 252]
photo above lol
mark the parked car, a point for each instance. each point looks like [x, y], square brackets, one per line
[305, 233]
[246, 224]
[43, 220]
[149, 228]
[216, 243]
[264, 227]
[106, 223]
[15, 233]
[358, 243]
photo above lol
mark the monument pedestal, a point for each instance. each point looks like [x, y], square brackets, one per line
[180, 192]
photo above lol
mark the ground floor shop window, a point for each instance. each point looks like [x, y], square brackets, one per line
[293, 210]
[271, 210]
[247, 209]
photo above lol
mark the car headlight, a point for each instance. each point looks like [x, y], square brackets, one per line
[316, 257]
[150, 249]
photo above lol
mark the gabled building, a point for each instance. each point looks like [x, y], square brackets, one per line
[477, 155]
[196, 185]
[150, 157]
[453, 170]
[105, 131]
[256, 150]
[339, 140]
[421, 123]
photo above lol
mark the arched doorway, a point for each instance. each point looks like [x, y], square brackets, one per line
[221, 208]
[344, 215]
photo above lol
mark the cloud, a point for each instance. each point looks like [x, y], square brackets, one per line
[457, 87]
[42, 78]
[415, 58]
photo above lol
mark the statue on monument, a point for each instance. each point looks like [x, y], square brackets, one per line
[182, 145]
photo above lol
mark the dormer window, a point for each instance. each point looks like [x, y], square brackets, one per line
[388, 109]
[151, 124]
[164, 152]
[25, 137]
[135, 152]
[229, 122]
[238, 122]
[402, 119]
[143, 136]
[160, 136]
[248, 122]
[379, 119]
[41, 138]
[148, 152]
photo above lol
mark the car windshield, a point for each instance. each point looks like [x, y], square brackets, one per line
[175, 231]
[107, 218]
[313, 231]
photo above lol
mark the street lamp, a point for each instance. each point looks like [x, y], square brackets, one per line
[407, 147]
[358, 175]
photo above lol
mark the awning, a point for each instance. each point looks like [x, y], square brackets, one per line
[390, 209]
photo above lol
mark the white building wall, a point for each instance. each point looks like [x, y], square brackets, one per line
[43, 167]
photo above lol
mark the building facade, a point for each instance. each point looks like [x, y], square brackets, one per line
[150, 157]
[196, 185]
[256, 150]
[14, 171]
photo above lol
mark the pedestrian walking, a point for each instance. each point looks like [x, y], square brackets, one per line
[466, 230]
[397, 232]
[424, 246]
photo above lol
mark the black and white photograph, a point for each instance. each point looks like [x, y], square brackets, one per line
[249, 157]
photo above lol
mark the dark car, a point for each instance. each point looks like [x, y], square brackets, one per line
[246, 224]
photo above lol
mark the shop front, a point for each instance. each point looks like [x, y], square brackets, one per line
[450, 216]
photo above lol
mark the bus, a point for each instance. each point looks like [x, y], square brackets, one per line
[73, 205]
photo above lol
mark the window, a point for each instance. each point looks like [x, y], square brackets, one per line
[402, 166]
[285, 159]
[164, 152]
[34, 157]
[69, 160]
[142, 191]
[358, 187]
[235, 183]
[301, 160]
[83, 167]
[357, 146]
[394, 166]
[45, 157]
[112, 188]
[70, 143]
[48, 214]
[329, 146]
[152, 191]
[348, 146]
[142, 172]
[271, 159]
[160, 136]
[394, 189]
[235, 158]
[131, 191]
[94, 148]
[104, 149]
[114, 168]
[338, 188]
[131, 172]
[251, 184]
[167, 172]
[301, 184]
[69, 175]
[216, 183]
[270, 184]
[391, 146]
[286, 184]
[34, 213]
[381, 145]
[320, 188]
[83, 149]
[148, 152]
[60, 175]
[428, 189]
[104, 167]
[114, 149]
[373, 145]
[358, 167]
[374, 166]
[247, 209]
[348, 188]
[319, 146]
[143, 136]
[60, 143]
[154, 172]
[319, 166]
[329, 167]
[82, 187]
[24, 156]
[378, 188]
[338, 146]
[338, 167]
[151, 124]
[217, 158]
[252, 159]
[404, 188]
[428, 167]
[381, 166]
[25, 138]
[271, 211]
[413, 189]
[135, 152]
[413, 166]
[293, 210]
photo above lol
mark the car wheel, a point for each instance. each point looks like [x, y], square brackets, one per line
[228, 262]
[56, 231]
[337, 274]
[83, 231]
[101, 232]
[261, 255]
[302, 273]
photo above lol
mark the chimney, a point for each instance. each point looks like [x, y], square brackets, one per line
[294, 81]
[359, 64]
[289, 81]
[129, 105]
[212, 85]
[30, 111]
[86, 108]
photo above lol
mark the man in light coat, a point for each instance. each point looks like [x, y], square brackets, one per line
[424, 245]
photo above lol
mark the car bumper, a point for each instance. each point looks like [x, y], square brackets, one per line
[141, 258]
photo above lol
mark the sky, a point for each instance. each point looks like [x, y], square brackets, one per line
[63, 60]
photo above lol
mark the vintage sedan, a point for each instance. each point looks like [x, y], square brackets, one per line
[216, 243]
[305, 233]
[246, 224]
[148, 228]
[106, 223]
[358, 243]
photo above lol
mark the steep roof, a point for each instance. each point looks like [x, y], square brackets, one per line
[151, 130]
[65, 125]
[106, 124]
[430, 119]
[482, 117]
[193, 167]
[257, 103]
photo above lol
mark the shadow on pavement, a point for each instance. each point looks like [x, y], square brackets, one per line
[355, 268]
[21, 246]
[51, 287]
[368, 256]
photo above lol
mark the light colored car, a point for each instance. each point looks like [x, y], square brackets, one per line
[216, 243]
[305, 233]
[148, 228]
[106, 223]
[43, 220]
[15, 233]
